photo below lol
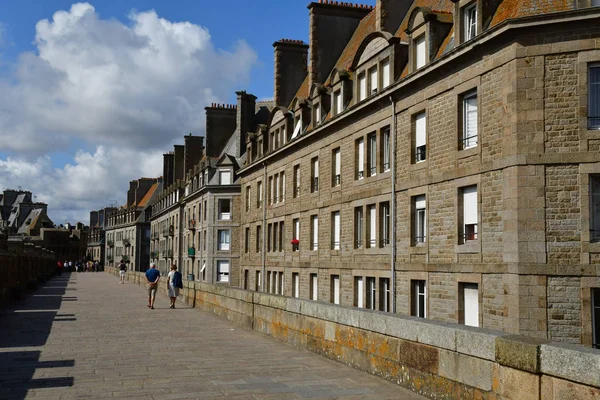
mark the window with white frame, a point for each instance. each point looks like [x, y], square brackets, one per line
[337, 167]
[338, 104]
[385, 223]
[358, 227]
[596, 318]
[314, 232]
[297, 128]
[469, 120]
[362, 87]
[469, 304]
[469, 22]
[420, 150]
[317, 113]
[224, 239]
[373, 80]
[336, 227]
[315, 174]
[371, 293]
[295, 284]
[372, 221]
[335, 289]
[359, 292]
[594, 96]
[222, 271]
[385, 73]
[384, 294]
[314, 287]
[224, 206]
[360, 162]
[257, 281]
[296, 181]
[259, 239]
[420, 52]
[418, 294]
[420, 220]
[224, 177]
[282, 186]
[594, 207]
[259, 194]
[385, 139]
[469, 213]
[372, 159]
[296, 223]
[276, 190]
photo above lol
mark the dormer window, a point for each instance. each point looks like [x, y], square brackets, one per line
[469, 15]
[317, 113]
[224, 177]
[362, 87]
[385, 73]
[420, 51]
[373, 80]
[338, 104]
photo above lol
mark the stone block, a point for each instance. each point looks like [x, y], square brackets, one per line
[520, 352]
[371, 321]
[295, 305]
[435, 333]
[419, 356]
[350, 317]
[513, 384]
[400, 327]
[477, 342]
[559, 389]
[572, 362]
[467, 370]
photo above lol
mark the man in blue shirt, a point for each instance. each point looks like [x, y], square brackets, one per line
[152, 276]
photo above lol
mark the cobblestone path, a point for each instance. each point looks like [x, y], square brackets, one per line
[87, 336]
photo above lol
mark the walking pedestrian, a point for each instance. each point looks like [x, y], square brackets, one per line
[174, 283]
[152, 278]
[122, 271]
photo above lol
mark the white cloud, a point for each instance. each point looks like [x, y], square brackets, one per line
[128, 90]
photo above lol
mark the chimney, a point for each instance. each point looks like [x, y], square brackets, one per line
[131, 193]
[332, 24]
[178, 160]
[93, 218]
[389, 14]
[168, 169]
[144, 184]
[291, 67]
[194, 146]
[220, 126]
[245, 118]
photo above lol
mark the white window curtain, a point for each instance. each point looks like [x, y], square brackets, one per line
[420, 219]
[282, 177]
[373, 80]
[336, 230]
[420, 52]
[336, 289]
[224, 240]
[385, 71]
[359, 292]
[225, 177]
[470, 121]
[420, 136]
[315, 232]
[296, 283]
[318, 113]
[361, 158]
[338, 163]
[223, 271]
[339, 106]
[297, 229]
[372, 226]
[470, 205]
[316, 168]
[362, 87]
[315, 287]
[471, 304]
[372, 155]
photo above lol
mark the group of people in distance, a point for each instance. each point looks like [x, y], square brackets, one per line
[78, 266]
[174, 282]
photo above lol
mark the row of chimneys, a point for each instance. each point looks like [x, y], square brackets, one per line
[330, 31]
[218, 105]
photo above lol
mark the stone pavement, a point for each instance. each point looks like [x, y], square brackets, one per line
[86, 336]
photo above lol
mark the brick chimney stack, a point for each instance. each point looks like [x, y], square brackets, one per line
[291, 67]
[168, 169]
[194, 148]
[332, 24]
[245, 118]
[220, 126]
[389, 14]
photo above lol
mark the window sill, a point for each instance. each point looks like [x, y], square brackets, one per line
[420, 248]
[470, 247]
[471, 151]
[417, 166]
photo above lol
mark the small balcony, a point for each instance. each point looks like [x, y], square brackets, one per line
[154, 254]
[110, 243]
[126, 242]
[192, 224]
[191, 252]
[168, 253]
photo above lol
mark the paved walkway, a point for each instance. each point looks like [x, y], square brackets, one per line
[86, 336]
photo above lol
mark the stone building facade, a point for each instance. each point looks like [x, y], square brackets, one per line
[439, 159]
[96, 245]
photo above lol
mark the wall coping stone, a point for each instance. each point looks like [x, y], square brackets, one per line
[573, 362]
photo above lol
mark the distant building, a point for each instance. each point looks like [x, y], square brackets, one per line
[19, 215]
[96, 243]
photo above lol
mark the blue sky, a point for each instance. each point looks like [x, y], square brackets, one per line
[94, 93]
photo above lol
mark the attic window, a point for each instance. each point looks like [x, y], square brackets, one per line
[469, 15]
[420, 52]
[337, 102]
[297, 129]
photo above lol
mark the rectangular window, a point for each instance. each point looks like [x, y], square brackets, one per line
[246, 240]
[224, 239]
[420, 149]
[247, 199]
[372, 143]
[336, 226]
[359, 292]
[269, 232]
[224, 177]
[358, 227]
[469, 120]
[469, 304]
[270, 190]
[315, 174]
[469, 213]
[314, 232]
[204, 241]
[205, 210]
[594, 96]
[372, 221]
[257, 282]
[258, 239]
[224, 206]
[371, 293]
[270, 282]
[470, 22]
[373, 80]
[360, 161]
[314, 287]
[295, 284]
[222, 271]
[317, 107]
[420, 219]
[384, 224]
[418, 299]
[385, 72]
[296, 222]
[296, 181]
[259, 194]
[596, 318]
[362, 87]
[282, 186]
[420, 52]
[386, 149]
[246, 278]
[338, 105]
[276, 189]
[594, 207]
[281, 235]
[335, 289]
[337, 166]
[384, 294]
[280, 282]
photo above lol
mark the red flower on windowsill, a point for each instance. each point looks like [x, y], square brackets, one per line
[295, 242]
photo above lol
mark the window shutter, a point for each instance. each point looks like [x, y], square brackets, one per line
[361, 155]
[297, 129]
[338, 102]
[373, 225]
[594, 96]
[297, 229]
[362, 87]
[420, 49]
[359, 292]
[470, 205]
[316, 168]
[338, 161]
[420, 202]
[373, 80]
[385, 70]
[336, 228]
[471, 120]
[420, 130]
[471, 306]
[315, 227]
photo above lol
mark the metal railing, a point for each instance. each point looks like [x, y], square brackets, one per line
[315, 184]
[192, 224]
[468, 237]
[420, 154]
[468, 142]
[337, 180]
[335, 245]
